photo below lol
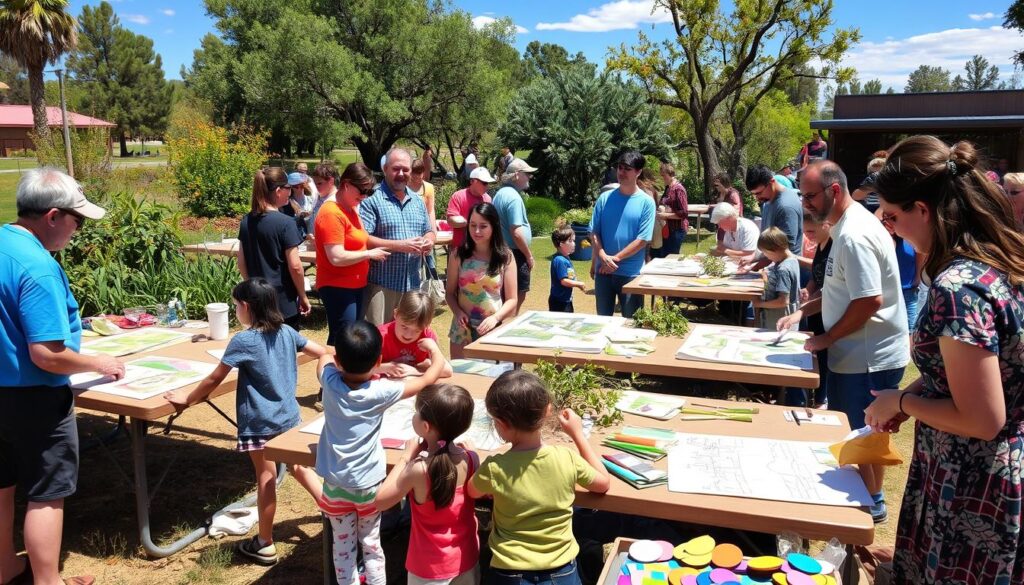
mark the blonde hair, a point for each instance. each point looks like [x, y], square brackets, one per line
[416, 307]
[876, 165]
[1015, 178]
[773, 240]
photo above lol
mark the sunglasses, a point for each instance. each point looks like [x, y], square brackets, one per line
[79, 219]
[365, 191]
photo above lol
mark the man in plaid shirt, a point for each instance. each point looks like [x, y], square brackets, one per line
[396, 220]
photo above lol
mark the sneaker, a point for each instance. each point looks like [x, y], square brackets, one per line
[879, 513]
[260, 554]
[318, 406]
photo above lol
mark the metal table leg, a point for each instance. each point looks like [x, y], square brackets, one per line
[849, 572]
[137, 430]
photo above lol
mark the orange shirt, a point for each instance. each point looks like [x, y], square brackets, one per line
[333, 226]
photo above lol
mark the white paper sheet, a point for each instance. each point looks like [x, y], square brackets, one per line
[745, 345]
[146, 377]
[564, 331]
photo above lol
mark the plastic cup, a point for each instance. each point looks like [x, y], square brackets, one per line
[133, 315]
[217, 317]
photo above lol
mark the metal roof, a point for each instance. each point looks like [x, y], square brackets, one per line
[21, 117]
[931, 123]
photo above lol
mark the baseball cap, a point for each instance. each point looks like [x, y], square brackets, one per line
[471, 159]
[86, 208]
[519, 166]
[482, 174]
[297, 178]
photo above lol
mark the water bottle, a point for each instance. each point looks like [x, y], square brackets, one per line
[588, 425]
[172, 311]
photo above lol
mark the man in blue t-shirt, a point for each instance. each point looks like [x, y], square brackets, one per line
[780, 207]
[40, 333]
[515, 226]
[621, 228]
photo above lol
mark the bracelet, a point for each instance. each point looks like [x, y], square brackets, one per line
[902, 396]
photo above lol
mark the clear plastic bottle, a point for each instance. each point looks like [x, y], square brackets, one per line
[588, 425]
[172, 311]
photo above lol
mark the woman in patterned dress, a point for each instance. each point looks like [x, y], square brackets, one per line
[481, 280]
[961, 515]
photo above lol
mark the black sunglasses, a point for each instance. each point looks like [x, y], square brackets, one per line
[79, 218]
[366, 191]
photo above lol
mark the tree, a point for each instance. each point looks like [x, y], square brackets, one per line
[34, 33]
[873, 87]
[927, 78]
[574, 123]
[124, 78]
[14, 76]
[978, 75]
[731, 61]
[1014, 18]
[802, 88]
[543, 59]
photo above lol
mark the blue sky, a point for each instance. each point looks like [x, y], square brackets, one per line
[897, 35]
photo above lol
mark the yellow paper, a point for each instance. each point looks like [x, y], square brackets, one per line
[869, 449]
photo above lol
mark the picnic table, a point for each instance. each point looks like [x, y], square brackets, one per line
[851, 525]
[739, 288]
[698, 210]
[141, 414]
[307, 251]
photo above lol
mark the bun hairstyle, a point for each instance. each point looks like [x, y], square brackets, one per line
[449, 410]
[971, 216]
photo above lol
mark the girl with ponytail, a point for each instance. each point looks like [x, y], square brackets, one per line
[433, 472]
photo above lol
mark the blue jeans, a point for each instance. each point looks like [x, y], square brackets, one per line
[564, 575]
[910, 300]
[609, 286]
[670, 244]
[343, 305]
[851, 393]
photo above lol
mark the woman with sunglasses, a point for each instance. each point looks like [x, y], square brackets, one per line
[342, 258]
[961, 516]
[270, 244]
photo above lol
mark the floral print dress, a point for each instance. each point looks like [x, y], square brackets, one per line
[961, 515]
[479, 297]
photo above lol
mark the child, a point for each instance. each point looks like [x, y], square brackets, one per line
[563, 275]
[349, 455]
[480, 275]
[264, 354]
[782, 278]
[533, 484]
[400, 356]
[443, 544]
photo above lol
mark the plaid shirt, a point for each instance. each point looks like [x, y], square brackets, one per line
[386, 218]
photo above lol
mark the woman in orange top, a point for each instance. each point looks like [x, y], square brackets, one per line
[342, 259]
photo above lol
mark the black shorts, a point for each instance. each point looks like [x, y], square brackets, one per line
[522, 271]
[39, 441]
[556, 306]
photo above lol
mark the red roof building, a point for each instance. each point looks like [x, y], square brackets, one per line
[16, 123]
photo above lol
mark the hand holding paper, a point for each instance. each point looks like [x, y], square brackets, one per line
[866, 447]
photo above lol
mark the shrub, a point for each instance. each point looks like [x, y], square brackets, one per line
[443, 191]
[578, 216]
[542, 213]
[213, 168]
[89, 152]
[585, 388]
[665, 318]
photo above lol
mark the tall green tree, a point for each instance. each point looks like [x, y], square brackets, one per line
[123, 76]
[719, 61]
[34, 33]
[1014, 18]
[574, 123]
[14, 76]
[543, 59]
[979, 75]
[927, 78]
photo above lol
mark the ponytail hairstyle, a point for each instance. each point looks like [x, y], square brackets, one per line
[448, 409]
[265, 182]
[971, 216]
[261, 298]
[500, 254]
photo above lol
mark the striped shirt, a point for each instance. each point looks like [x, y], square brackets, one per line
[385, 217]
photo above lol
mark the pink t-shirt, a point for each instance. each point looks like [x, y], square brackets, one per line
[461, 203]
[393, 350]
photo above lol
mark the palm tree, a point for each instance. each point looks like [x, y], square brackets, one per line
[34, 33]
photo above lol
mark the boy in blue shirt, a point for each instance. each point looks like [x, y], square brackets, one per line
[563, 275]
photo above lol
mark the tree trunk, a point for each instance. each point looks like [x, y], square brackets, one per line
[708, 154]
[37, 93]
[371, 152]
[122, 138]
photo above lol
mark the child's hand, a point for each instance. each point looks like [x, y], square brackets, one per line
[413, 447]
[424, 365]
[396, 370]
[571, 423]
[487, 325]
[178, 399]
[428, 345]
[461, 318]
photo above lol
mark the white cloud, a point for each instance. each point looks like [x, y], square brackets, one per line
[137, 18]
[623, 14]
[892, 60]
[168, 12]
[982, 16]
[482, 21]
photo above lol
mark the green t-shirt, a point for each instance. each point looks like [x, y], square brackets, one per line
[533, 496]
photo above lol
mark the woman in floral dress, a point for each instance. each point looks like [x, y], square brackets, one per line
[481, 288]
[961, 515]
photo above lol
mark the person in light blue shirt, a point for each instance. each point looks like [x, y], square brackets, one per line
[40, 333]
[515, 226]
[621, 228]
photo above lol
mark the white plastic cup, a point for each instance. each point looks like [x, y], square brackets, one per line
[217, 317]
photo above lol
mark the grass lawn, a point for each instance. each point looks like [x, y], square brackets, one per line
[8, 190]
[17, 164]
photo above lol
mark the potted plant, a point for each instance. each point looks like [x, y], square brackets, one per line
[579, 220]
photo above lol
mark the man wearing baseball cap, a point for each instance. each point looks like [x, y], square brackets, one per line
[463, 200]
[40, 333]
[515, 226]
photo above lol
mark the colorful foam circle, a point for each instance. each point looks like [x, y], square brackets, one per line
[764, 564]
[689, 580]
[722, 576]
[701, 545]
[726, 555]
[645, 551]
[695, 560]
[675, 577]
[666, 550]
[827, 568]
[740, 568]
[803, 563]
[797, 578]
[704, 578]
[779, 579]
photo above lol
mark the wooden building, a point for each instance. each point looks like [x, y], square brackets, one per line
[16, 123]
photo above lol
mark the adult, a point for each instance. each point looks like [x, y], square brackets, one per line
[40, 333]
[780, 207]
[674, 211]
[515, 226]
[724, 192]
[741, 234]
[861, 307]
[865, 193]
[304, 169]
[464, 200]
[270, 244]
[301, 203]
[961, 517]
[424, 189]
[396, 220]
[469, 164]
[620, 229]
[1013, 185]
[342, 256]
[325, 181]
[504, 159]
[815, 150]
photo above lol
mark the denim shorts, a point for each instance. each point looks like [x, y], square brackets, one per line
[564, 575]
[851, 393]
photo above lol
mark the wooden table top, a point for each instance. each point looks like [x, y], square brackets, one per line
[850, 525]
[307, 256]
[662, 362]
[687, 287]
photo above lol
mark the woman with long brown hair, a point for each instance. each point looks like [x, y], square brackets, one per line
[961, 516]
[270, 244]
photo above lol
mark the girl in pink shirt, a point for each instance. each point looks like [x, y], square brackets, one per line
[433, 471]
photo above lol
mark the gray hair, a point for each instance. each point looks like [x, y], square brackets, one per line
[508, 178]
[45, 188]
[723, 211]
[830, 172]
[391, 154]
